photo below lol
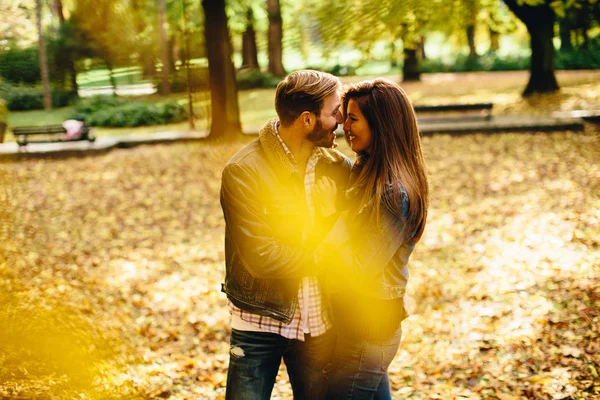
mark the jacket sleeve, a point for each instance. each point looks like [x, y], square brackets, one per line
[253, 238]
[365, 250]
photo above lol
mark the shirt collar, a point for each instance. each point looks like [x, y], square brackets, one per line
[316, 151]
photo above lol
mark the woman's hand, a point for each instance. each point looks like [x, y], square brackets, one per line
[324, 196]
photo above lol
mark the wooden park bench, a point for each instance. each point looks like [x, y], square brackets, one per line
[486, 108]
[49, 134]
[586, 115]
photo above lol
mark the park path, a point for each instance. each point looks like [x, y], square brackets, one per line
[470, 123]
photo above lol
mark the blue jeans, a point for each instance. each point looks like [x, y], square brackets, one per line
[254, 360]
[359, 368]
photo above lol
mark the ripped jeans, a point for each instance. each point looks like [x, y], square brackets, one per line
[359, 367]
[254, 360]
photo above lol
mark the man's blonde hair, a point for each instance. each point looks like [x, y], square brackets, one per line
[303, 91]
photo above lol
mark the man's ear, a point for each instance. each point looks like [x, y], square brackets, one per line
[308, 119]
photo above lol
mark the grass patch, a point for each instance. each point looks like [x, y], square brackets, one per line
[39, 117]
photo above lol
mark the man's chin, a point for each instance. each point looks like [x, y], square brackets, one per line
[326, 142]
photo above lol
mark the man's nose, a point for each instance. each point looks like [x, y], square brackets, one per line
[339, 118]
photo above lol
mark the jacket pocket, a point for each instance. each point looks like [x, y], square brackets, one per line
[240, 276]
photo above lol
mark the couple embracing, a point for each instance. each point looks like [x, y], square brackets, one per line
[316, 246]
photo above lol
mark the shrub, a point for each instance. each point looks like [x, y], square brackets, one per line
[486, 62]
[509, 63]
[92, 104]
[578, 59]
[24, 98]
[341, 70]
[20, 66]
[433, 65]
[113, 111]
[254, 78]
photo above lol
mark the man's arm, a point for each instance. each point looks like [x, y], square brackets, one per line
[254, 240]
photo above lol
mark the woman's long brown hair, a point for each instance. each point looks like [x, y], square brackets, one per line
[395, 154]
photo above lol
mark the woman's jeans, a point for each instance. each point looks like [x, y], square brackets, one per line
[254, 360]
[359, 368]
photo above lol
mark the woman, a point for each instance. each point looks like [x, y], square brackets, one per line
[367, 250]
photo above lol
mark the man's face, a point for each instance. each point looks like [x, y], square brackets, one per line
[323, 134]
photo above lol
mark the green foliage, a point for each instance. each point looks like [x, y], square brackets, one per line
[23, 98]
[488, 62]
[580, 58]
[98, 103]
[107, 28]
[253, 78]
[113, 111]
[508, 63]
[20, 65]
[342, 70]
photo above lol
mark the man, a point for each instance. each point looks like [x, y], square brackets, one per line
[271, 230]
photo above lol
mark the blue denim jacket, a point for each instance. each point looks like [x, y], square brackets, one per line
[369, 259]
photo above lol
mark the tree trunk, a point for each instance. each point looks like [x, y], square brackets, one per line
[57, 9]
[66, 54]
[73, 78]
[111, 76]
[275, 38]
[539, 21]
[172, 50]
[565, 36]
[393, 55]
[43, 58]
[164, 50]
[410, 70]
[225, 117]
[422, 53]
[147, 59]
[471, 41]
[586, 38]
[249, 48]
[494, 40]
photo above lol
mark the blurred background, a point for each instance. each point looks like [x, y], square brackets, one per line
[55, 52]
[111, 262]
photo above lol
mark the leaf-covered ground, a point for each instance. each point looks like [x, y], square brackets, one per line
[110, 265]
[110, 271]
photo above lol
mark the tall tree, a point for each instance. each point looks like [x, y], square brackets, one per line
[249, 48]
[225, 117]
[164, 48]
[64, 57]
[43, 57]
[470, 31]
[275, 38]
[108, 28]
[57, 8]
[470, 11]
[144, 29]
[539, 20]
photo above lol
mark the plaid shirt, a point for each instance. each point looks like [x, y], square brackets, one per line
[311, 315]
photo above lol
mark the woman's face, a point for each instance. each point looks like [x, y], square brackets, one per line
[357, 129]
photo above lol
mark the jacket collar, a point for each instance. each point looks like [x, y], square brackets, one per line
[277, 155]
